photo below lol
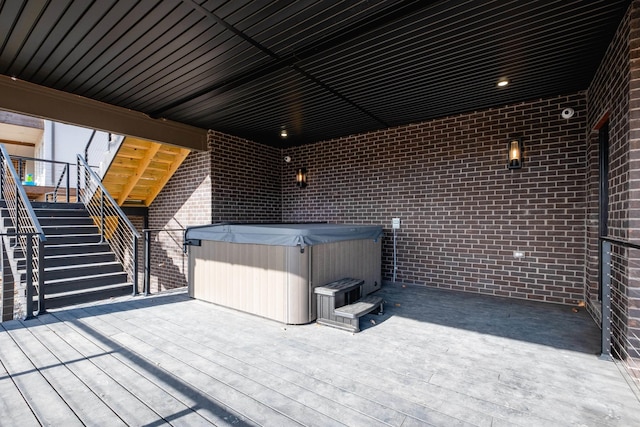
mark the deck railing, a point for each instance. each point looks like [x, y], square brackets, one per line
[176, 236]
[45, 173]
[27, 231]
[115, 228]
[100, 152]
[620, 285]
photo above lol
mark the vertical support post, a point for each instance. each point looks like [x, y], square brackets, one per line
[41, 273]
[135, 265]
[77, 179]
[68, 171]
[605, 286]
[102, 231]
[17, 216]
[147, 261]
[2, 168]
[29, 272]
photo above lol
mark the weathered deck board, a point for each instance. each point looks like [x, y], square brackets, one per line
[132, 396]
[12, 404]
[173, 399]
[434, 358]
[45, 402]
[63, 370]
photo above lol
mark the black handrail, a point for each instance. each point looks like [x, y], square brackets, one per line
[620, 242]
[24, 212]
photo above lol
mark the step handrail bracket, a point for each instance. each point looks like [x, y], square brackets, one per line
[115, 227]
[27, 230]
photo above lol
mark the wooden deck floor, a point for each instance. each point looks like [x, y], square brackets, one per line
[434, 358]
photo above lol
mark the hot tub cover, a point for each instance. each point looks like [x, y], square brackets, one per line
[283, 234]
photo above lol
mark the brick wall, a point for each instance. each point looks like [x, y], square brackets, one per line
[463, 213]
[633, 293]
[236, 180]
[184, 201]
[614, 93]
[608, 96]
[246, 180]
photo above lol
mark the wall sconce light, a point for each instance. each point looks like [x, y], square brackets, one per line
[283, 132]
[515, 156]
[301, 177]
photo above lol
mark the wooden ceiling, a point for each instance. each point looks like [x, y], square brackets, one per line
[319, 69]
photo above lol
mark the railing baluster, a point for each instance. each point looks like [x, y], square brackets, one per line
[66, 171]
[605, 285]
[135, 265]
[147, 261]
[102, 230]
[29, 272]
[41, 288]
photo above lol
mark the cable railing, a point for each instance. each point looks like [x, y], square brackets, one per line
[51, 175]
[27, 233]
[100, 151]
[175, 235]
[620, 284]
[114, 226]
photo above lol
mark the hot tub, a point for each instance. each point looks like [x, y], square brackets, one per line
[271, 270]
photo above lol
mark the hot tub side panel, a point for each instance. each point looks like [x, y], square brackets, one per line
[269, 281]
[358, 259]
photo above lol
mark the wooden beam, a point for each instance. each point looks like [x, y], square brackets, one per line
[23, 144]
[27, 98]
[135, 178]
[179, 158]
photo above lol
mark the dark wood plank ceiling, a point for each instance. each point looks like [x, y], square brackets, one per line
[321, 69]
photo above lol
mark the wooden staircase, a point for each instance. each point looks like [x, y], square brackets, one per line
[140, 170]
[78, 266]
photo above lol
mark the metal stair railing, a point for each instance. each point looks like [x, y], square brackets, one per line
[53, 196]
[101, 153]
[620, 330]
[115, 228]
[27, 230]
[46, 172]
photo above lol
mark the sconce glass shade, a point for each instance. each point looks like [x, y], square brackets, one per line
[514, 155]
[301, 177]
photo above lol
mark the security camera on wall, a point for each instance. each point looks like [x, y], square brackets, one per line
[567, 113]
[287, 159]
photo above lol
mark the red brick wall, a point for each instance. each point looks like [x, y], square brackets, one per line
[463, 213]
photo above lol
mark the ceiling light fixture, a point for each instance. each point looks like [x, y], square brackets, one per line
[503, 82]
[283, 132]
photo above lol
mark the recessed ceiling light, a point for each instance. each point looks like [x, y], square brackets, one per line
[503, 82]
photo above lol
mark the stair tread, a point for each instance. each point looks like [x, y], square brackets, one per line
[75, 266]
[73, 246]
[88, 291]
[78, 278]
[88, 254]
[78, 244]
